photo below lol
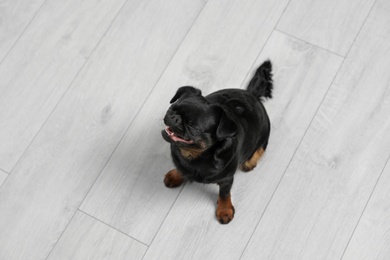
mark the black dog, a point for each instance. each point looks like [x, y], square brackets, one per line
[211, 136]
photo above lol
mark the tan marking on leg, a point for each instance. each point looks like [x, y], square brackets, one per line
[225, 210]
[173, 179]
[252, 162]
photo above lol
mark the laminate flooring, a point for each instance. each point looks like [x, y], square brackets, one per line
[3, 176]
[84, 86]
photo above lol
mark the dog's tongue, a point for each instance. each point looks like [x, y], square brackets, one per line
[176, 138]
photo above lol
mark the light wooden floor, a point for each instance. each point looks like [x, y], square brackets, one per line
[84, 86]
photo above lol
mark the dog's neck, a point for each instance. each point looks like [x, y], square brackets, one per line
[190, 153]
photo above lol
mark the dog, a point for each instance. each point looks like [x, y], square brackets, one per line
[211, 136]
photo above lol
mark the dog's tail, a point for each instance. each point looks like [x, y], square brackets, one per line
[261, 84]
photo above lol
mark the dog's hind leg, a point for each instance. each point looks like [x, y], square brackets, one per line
[252, 162]
[173, 179]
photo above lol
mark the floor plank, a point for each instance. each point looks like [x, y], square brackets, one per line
[371, 239]
[87, 238]
[302, 75]
[3, 176]
[130, 194]
[46, 58]
[72, 148]
[15, 16]
[332, 24]
[327, 185]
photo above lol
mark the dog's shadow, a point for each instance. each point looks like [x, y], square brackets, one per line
[143, 173]
[208, 191]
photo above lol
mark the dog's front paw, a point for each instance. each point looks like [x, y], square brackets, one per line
[225, 210]
[173, 179]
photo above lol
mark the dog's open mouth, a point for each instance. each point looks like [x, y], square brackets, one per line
[176, 138]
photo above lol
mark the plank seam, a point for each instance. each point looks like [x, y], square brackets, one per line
[6, 174]
[21, 34]
[162, 223]
[139, 110]
[59, 101]
[361, 27]
[304, 135]
[373, 190]
[265, 43]
[310, 124]
[182, 188]
[353, 42]
[98, 220]
[4, 171]
[258, 55]
[292, 157]
[365, 206]
[70, 84]
[384, 167]
[312, 44]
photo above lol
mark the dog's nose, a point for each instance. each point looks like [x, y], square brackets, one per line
[175, 119]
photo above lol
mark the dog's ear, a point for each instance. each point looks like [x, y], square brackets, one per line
[185, 91]
[226, 128]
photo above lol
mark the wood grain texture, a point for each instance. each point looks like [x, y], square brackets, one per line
[42, 65]
[302, 75]
[15, 15]
[73, 146]
[332, 24]
[371, 239]
[3, 176]
[328, 183]
[87, 238]
[130, 194]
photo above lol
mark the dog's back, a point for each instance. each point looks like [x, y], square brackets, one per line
[246, 108]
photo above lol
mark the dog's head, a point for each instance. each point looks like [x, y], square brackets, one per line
[192, 122]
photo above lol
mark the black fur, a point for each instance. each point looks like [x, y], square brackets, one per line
[261, 83]
[226, 127]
